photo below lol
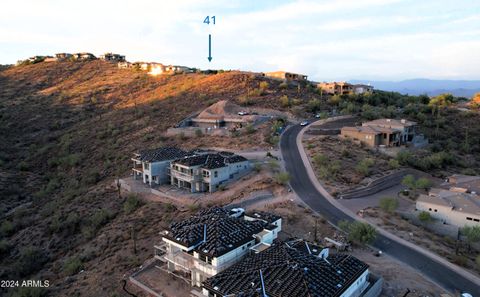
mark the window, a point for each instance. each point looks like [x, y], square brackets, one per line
[476, 220]
[146, 166]
[435, 210]
[215, 173]
[429, 209]
[469, 219]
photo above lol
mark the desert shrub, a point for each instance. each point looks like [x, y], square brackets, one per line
[460, 260]
[283, 85]
[4, 247]
[363, 167]
[131, 204]
[29, 292]
[23, 166]
[423, 183]
[284, 101]
[91, 177]
[257, 167]
[310, 146]
[424, 217]
[393, 164]
[320, 159]
[99, 218]
[245, 100]
[405, 158]
[255, 93]
[249, 129]
[282, 178]
[72, 266]
[198, 133]
[181, 136]
[193, 207]
[477, 259]
[30, 261]
[7, 228]
[359, 232]
[389, 204]
[72, 159]
[263, 86]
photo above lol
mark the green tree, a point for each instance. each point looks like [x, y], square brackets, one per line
[284, 101]
[131, 203]
[424, 217]
[282, 178]
[409, 181]
[423, 183]
[393, 164]
[472, 233]
[363, 167]
[361, 232]
[389, 204]
[72, 265]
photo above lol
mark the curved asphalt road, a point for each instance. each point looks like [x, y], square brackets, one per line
[301, 184]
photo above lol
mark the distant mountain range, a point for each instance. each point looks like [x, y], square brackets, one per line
[461, 88]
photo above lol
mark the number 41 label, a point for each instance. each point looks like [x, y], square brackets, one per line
[208, 18]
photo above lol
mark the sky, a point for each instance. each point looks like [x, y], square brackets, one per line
[326, 40]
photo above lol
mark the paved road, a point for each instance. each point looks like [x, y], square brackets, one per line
[305, 189]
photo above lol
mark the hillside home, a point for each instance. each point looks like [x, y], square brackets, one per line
[223, 114]
[408, 129]
[153, 166]
[206, 172]
[287, 76]
[344, 88]
[83, 56]
[455, 206]
[213, 240]
[63, 56]
[372, 136]
[50, 59]
[111, 57]
[295, 268]
[124, 65]
[173, 69]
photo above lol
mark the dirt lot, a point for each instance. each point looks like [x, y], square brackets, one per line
[337, 163]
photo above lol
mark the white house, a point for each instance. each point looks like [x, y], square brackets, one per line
[455, 206]
[294, 268]
[213, 240]
[206, 172]
[153, 166]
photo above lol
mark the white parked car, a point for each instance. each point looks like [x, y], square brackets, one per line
[242, 113]
[304, 123]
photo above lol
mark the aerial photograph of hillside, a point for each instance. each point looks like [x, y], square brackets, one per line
[310, 148]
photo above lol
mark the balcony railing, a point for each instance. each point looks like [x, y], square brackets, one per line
[185, 176]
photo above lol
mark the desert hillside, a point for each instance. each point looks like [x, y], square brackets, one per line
[67, 129]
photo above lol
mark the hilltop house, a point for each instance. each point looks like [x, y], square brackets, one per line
[83, 56]
[287, 76]
[295, 268]
[213, 240]
[63, 56]
[111, 57]
[344, 88]
[206, 172]
[153, 166]
[455, 206]
[385, 132]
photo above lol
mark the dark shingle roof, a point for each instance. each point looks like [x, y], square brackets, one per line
[162, 154]
[288, 271]
[212, 160]
[224, 233]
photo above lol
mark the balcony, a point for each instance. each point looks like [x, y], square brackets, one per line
[185, 176]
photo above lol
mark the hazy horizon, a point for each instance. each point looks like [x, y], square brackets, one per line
[387, 40]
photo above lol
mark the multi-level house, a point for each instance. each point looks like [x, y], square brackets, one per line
[295, 268]
[408, 129]
[111, 57]
[206, 172]
[372, 136]
[213, 240]
[83, 56]
[63, 56]
[153, 166]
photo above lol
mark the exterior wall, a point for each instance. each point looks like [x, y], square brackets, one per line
[355, 289]
[371, 140]
[448, 215]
